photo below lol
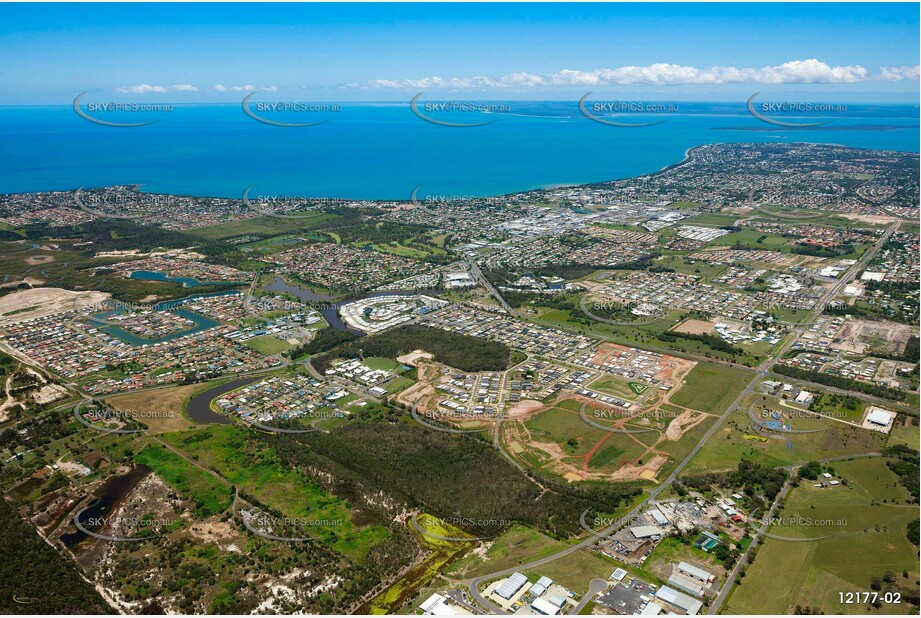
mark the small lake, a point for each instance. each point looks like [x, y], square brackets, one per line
[187, 282]
[201, 323]
[105, 499]
[199, 406]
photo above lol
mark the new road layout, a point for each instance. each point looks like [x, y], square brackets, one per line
[761, 372]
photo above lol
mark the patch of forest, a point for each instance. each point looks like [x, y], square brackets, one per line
[453, 476]
[459, 351]
[36, 579]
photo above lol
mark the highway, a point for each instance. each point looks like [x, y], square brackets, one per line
[762, 371]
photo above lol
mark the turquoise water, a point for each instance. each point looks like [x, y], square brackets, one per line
[201, 323]
[384, 151]
[188, 282]
[147, 275]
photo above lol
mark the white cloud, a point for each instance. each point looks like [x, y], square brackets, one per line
[185, 88]
[245, 88]
[896, 74]
[140, 89]
[810, 71]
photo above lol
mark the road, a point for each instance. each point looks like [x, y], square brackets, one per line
[595, 587]
[762, 371]
[766, 521]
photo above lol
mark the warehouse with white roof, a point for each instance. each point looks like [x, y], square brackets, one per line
[680, 600]
[511, 586]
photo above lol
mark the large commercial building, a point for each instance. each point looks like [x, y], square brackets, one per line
[645, 532]
[679, 600]
[511, 586]
[690, 570]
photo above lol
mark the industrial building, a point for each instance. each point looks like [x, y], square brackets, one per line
[657, 515]
[679, 600]
[511, 586]
[545, 607]
[686, 584]
[879, 417]
[541, 586]
[645, 532]
[690, 570]
[438, 605]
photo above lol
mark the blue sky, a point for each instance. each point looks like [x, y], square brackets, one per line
[215, 52]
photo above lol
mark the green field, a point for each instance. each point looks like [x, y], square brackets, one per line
[850, 409]
[397, 384]
[575, 570]
[267, 344]
[728, 445]
[711, 219]
[865, 538]
[907, 434]
[209, 494]
[753, 239]
[377, 362]
[517, 545]
[691, 267]
[618, 387]
[559, 425]
[263, 226]
[227, 449]
[711, 387]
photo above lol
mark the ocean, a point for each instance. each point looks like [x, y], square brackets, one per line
[384, 151]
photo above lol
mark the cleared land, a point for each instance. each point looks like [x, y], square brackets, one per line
[739, 437]
[711, 387]
[858, 524]
[160, 409]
